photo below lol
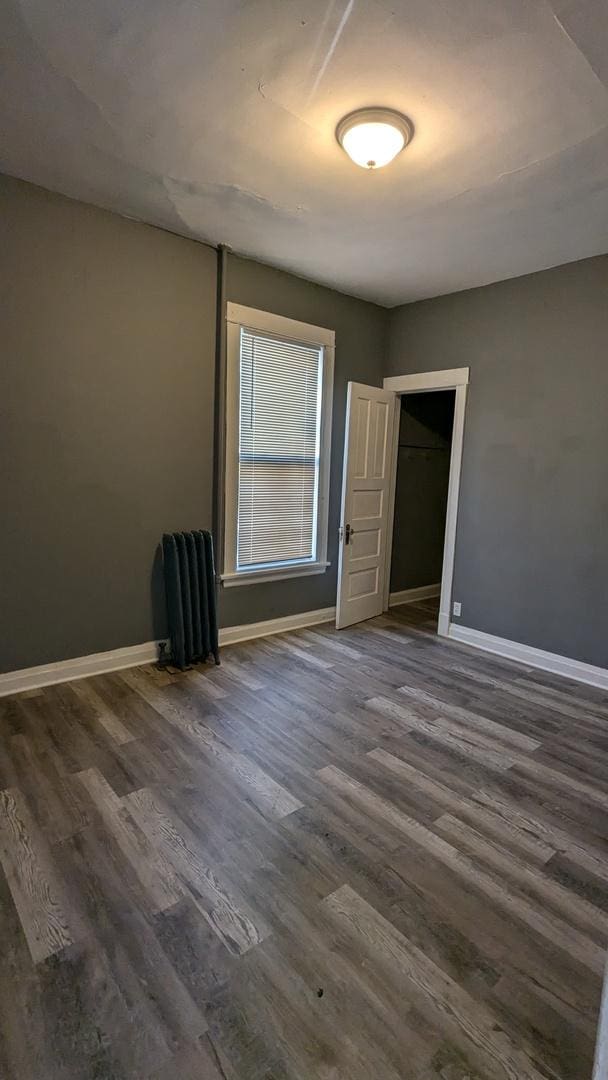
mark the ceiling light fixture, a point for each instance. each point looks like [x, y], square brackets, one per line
[373, 137]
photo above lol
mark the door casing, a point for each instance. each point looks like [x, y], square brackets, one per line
[456, 379]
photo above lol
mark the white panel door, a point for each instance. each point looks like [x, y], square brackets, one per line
[366, 485]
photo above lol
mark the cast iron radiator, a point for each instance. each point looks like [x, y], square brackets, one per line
[190, 589]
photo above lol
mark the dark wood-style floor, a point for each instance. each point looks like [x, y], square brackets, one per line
[365, 855]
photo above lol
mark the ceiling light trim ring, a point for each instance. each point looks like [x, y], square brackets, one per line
[375, 115]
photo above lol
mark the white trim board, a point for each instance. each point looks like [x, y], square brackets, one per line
[230, 635]
[526, 654]
[269, 322]
[456, 379]
[600, 1064]
[421, 382]
[82, 667]
[410, 596]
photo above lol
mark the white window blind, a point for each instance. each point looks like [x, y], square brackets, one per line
[279, 439]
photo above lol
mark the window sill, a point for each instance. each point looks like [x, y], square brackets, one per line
[278, 573]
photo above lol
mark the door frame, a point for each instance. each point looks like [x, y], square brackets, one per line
[456, 379]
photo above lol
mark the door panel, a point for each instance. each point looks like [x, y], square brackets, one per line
[365, 497]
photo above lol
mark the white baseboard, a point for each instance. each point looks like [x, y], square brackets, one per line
[526, 654]
[410, 596]
[230, 635]
[81, 667]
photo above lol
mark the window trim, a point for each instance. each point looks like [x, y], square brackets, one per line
[238, 316]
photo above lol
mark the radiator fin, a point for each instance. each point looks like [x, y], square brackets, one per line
[190, 590]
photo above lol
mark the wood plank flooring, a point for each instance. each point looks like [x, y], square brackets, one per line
[364, 855]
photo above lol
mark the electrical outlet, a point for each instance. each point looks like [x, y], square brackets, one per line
[457, 607]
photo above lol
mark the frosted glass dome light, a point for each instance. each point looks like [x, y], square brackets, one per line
[373, 137]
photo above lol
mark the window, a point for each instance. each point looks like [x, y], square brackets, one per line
[278, 427]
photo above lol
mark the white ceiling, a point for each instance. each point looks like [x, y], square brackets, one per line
[216, 118]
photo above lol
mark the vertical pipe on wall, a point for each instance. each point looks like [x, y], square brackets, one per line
[219, 449]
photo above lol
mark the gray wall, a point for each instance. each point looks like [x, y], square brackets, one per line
[106, 406]
[360, 356]
[532, 536]
[421, 491]
[106, 420]
[106, 399]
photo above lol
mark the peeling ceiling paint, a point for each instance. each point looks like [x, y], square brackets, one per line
[216, 119]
